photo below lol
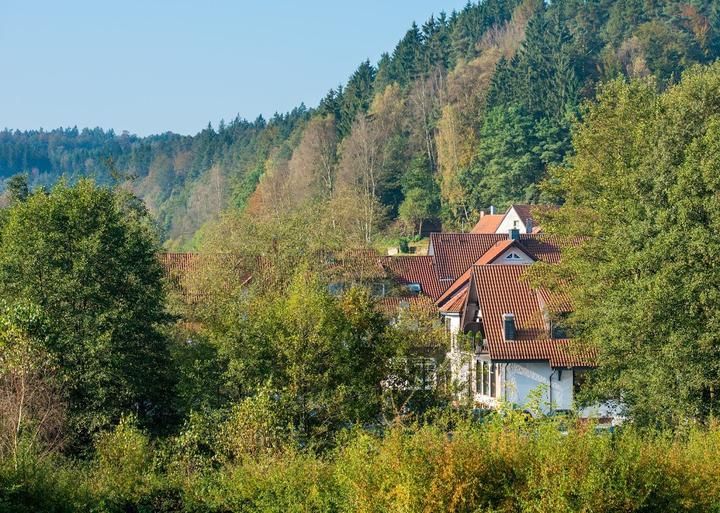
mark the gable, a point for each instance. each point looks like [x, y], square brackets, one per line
[511, 220]
[501, 289]
[513, 256]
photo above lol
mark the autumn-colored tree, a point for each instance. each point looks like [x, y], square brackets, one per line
[458, 128]
[311, 170]
[32, 413]
[360, 175]
[455, 151]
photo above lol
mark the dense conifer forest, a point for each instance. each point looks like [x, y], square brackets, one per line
[470, 109]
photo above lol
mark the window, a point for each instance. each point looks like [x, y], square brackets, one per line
[486, 378]
[377, 290]
[423, 373]
[412, 373]
[415, 288]
[479, 377]
[579, 378]
[512, 256]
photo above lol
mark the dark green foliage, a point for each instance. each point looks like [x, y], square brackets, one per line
[406, 62]
[356, 96]
[668, 49]
[508, 163]
[436, 40]
[643, 183]
[18, 188]
[85, 255]
[470, 24]
[533, 97]
[421, 194]
[323, 359]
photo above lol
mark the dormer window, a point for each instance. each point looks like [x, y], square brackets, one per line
[336, 289]
[559, 327]
[512, 256]
[378, 290]
[415, 288]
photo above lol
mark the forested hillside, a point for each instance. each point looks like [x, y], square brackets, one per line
[470, 109]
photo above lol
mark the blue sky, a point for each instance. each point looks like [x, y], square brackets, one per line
[157, 65]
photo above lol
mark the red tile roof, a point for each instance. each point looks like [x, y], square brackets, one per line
[403, 270]
[501, 289]
[558, 352]
[178, 262]
[456, 304]
[414, 269]
[488, 223]
[456, 252]
[391, 305]
[177, 266]
[498, 249]
[453, 289]
[490, 256]
[180, 266]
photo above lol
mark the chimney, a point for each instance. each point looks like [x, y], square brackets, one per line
[509, 326]
[528, 225]
[514, 234]
[482, 214]
[492, 210]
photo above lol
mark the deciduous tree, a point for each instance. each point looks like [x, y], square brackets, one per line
[86, 257]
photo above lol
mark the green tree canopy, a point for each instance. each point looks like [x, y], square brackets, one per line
[18, 187]
[643, 187]
[507, 164]
[86, 256]
[421, 194]
[323, 358]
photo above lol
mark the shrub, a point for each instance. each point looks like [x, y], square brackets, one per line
[30, 484]
[124, 469]
[503, 462]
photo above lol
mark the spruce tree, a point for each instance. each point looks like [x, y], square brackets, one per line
[357, 96]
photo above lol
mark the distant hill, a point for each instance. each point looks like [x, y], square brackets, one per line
[468, 110]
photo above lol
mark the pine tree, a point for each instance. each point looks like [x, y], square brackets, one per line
[18, 187]
[383, 77]
[356, 96]
[406, 62]
[436, 38]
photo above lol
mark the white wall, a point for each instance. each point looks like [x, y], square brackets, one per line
[523, 378]
[515, 381]
[452, 321]
[610, 409]
[508, 222]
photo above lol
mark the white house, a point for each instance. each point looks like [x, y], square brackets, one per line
[518, 216]
[506, 343]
